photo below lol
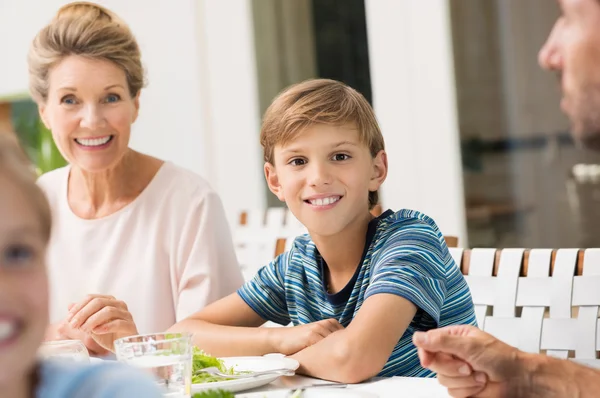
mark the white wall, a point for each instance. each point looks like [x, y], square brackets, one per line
[231, 113]
[200, 108]
[169, 125]
[412, 77]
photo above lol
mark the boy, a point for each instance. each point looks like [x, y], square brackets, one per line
[357, 287]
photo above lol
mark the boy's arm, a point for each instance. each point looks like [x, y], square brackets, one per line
[228, 327]
[360, 351]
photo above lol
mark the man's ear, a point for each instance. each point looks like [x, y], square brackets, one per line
[380, 169]
[273, 181]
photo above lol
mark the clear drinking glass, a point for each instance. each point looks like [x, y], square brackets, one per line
[68, 350]
[167, 356]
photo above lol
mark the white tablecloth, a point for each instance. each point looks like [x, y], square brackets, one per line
[396, 387]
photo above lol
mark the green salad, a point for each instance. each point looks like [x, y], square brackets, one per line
[214, 394]
[201, 360]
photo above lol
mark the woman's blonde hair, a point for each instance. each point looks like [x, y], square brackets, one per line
[88, 30]
[319, 101]
[15, 165]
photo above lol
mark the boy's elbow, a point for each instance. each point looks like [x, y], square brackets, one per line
[189, 324]
[353, 365]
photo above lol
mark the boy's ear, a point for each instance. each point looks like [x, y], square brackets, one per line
[273, 181]
[380, 169]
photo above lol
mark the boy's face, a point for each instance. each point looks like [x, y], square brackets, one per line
[23, 283]
[325, 176]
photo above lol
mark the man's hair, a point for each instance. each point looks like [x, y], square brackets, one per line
[319, 101]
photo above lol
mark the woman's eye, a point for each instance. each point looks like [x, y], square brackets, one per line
[69, 100]
[112, 98]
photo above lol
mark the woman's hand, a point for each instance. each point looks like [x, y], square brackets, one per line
[103, 318]
[64, 331]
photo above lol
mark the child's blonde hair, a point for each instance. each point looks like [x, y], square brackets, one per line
[88, 30]
[15, 165]
[319, 101]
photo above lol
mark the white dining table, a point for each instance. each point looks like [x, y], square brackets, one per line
[378, 387]
[397, 387]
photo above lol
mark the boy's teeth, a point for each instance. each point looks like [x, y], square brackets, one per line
[93, 141]
[324, 201]
[7, 330]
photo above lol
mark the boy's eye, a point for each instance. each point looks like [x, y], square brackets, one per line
[340, 157]
[297, 162]
[17, 255]
[112, 98]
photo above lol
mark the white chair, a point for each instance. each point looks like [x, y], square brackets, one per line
[551, 310]
[256, 234]
[275, 218]
[255, 251]
[293, 227]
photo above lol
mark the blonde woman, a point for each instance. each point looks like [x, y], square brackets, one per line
[139, 243]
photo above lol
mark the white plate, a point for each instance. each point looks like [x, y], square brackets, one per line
[255, 364]
[317, 392]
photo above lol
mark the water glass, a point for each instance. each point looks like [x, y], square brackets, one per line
[167, 356]
[64, 350]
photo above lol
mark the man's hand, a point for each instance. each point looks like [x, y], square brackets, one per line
[471, 363]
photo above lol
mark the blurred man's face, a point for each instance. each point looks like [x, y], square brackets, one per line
[573, 51]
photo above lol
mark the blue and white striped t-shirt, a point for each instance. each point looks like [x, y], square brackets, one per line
[405, 254]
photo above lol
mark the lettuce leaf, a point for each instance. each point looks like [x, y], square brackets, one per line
[201, 360]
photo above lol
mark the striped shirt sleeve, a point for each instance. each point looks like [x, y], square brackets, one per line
[265, 293]
[410, 265]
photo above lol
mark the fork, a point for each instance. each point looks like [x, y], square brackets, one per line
[216, 372]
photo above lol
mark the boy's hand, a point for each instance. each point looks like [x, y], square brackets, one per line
[290, 340]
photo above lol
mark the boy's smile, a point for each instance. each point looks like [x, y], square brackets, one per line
[323, 202]
[324, 175]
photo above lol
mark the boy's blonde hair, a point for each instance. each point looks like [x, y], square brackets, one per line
[319, 101]
[15, 165]
[88, 30]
